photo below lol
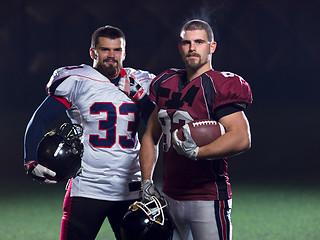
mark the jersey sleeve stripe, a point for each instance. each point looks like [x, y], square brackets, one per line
[62, 100]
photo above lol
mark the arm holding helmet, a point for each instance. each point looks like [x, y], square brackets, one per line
[50, 109]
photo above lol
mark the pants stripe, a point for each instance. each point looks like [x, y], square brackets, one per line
[222, 218]
[66, 212]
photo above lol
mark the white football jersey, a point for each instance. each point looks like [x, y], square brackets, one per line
[110, 121]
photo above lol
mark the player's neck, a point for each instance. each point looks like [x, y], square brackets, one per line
[194, 73]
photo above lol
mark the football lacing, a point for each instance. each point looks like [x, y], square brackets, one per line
[195, 124]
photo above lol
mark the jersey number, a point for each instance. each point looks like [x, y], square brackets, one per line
[178, 119]
[109, 125]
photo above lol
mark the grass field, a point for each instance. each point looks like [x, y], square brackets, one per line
[260, 212]
[268, 212]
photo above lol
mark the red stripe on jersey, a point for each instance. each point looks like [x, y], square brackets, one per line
[62, 100]
[123, 72]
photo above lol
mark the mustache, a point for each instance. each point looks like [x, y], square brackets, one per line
[112, 59]
[193, 55]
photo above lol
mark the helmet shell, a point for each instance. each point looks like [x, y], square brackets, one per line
[61, 152]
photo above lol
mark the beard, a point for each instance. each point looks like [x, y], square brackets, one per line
[109, 70]
[193, 63]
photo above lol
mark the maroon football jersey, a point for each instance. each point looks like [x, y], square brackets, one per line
[180, 102]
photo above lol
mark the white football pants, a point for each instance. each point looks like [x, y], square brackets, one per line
[201, 220]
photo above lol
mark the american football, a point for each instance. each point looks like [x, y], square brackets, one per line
[203, 131]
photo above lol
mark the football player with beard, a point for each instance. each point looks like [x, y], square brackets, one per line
[196, 183]
[107, 100]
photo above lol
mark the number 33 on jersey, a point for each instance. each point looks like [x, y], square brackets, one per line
[108, 116]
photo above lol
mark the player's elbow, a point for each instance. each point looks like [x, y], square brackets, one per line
[247, 145]
[245, 142]
[242, 145]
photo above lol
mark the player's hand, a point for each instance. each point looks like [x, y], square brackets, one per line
[131, 87]
[187, 147]
[149, 190]
[39, 172]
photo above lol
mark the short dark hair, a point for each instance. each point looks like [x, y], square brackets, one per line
[197, 24]
[107, 32]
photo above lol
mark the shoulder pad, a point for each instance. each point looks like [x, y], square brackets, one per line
[81, 72]
[231, 88]
[68, 71]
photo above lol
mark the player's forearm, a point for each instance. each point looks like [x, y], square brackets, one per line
[149, 148]
[49, 110]
[229, 144]
[33, 135]
[236, 139]
[148, 158]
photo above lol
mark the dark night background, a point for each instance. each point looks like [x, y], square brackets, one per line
[272, 44]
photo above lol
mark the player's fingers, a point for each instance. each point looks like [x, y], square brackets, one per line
[127, 85]
[186, 131]
[51, 173]
[121, 84]
[46, 171]
[50, 181]
[175, 139]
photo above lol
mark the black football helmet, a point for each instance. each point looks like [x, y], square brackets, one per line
[61, 150]
[146, 221]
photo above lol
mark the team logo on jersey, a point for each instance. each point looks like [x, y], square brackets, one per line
[177, 101]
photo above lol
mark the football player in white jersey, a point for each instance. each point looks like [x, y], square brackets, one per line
[107, 100]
